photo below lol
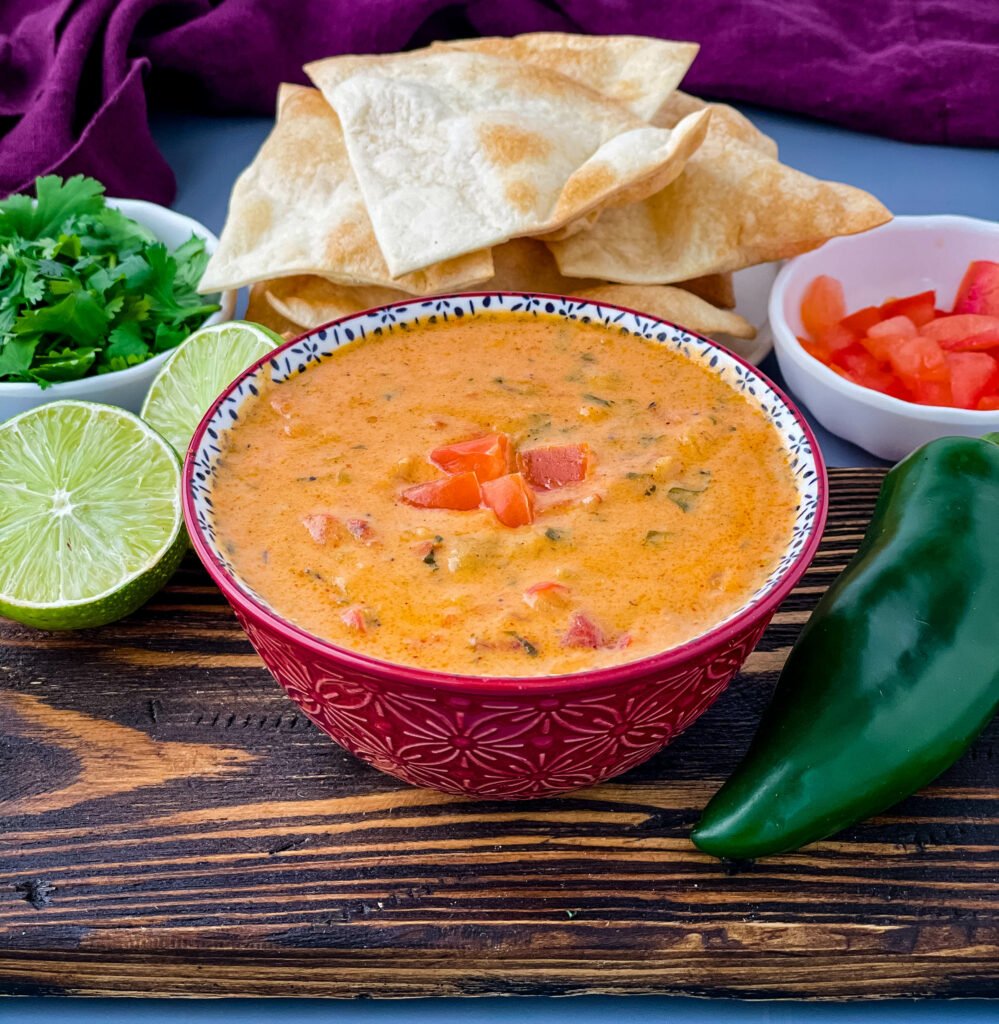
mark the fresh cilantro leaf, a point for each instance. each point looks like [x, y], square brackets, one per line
[111, 230]
[84, 289]
[56, 201]
[17, 214]
[133, 307]
[168, 337]
[69, 364]
[32, 285]
[15, 357]
[52, 268]
[79, 316]
[192, 258]
[125, 341]
[68, 246]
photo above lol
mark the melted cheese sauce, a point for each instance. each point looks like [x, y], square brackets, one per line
[687, 506]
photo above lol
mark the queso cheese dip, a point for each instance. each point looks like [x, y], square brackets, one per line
[604, 499]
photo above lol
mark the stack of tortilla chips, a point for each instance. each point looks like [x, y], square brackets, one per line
[542, 163]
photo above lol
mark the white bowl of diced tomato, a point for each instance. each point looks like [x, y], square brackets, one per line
[891, 338]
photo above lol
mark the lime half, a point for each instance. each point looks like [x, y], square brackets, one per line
[90, 515]
[198, 372]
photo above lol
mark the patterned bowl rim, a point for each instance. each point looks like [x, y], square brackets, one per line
[699, 648]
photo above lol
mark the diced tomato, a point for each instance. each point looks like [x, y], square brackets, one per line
[548, 594]
[360, 529]
[976, 343]
[837, 338]
[822, 306]
[460, 492]
[879, 348]
[897, 327]
[583, 632]
[864, 369]
[815, 349]
[907, 347]
[884, 336]
[862, 321]
[510, 498]
[322, 527]
[920, 309]
[852, 356]
[548, 468]
[979, 289]
[964, 332]
[487, 457]
[355, 619]
[972, 376]
[919, 360]
[932, 392]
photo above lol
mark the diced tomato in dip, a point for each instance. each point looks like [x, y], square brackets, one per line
[487, 457]
[355, 619]
[322, 526]
[510, 498]
[555, 466]
[360, 529]
[506, 495]
[460, 492]
[904, 347]
[547, 594]
[583, 632]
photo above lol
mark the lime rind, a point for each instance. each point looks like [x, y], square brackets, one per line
[90, 514]
[197, 373]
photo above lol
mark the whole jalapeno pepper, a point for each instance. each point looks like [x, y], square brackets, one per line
[895, 673]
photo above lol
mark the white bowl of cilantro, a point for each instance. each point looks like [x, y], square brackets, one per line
[95, 293]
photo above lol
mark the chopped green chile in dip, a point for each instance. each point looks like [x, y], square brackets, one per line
[686, 505]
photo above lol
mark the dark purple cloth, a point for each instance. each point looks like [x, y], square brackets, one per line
[77, 77]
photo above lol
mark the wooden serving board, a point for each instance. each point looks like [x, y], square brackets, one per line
[171, 825]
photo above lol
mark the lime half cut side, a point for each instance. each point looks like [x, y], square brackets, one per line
[198, 372]
[90, 515]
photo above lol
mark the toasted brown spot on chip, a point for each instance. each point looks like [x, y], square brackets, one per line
[587, 185]
[522, 194]
[505, 145]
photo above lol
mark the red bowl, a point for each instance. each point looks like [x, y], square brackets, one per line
[503, 738]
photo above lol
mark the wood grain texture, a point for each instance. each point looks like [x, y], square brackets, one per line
[171, 825]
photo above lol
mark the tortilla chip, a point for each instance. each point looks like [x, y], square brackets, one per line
[674, 305]
[260, 311]
[734, 206]
[725, 120]
[313, 301]
[297, 209]
[526, 265]
[456, 151]
[717, 289]
[522, 265]
[637, 71]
